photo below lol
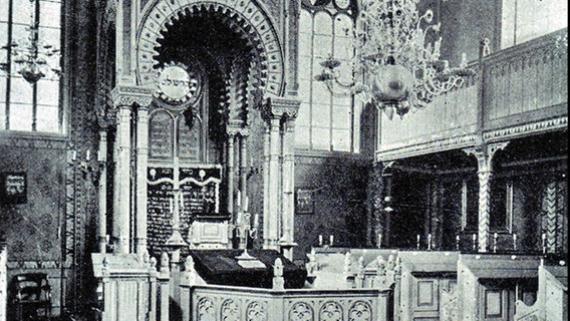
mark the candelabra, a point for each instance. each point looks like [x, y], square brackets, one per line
[245, 231]
[176, 204]
[32, 56]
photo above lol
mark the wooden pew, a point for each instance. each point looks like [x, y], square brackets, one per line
[489, 285]
[426, 280]
[552, 298]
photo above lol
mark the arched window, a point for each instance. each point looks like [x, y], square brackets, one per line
[25, 106]
[326, 122]
[523, 20]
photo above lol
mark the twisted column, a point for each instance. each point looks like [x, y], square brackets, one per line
[484, 155]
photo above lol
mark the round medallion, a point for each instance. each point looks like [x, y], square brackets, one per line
[178, 84]
[343, 4]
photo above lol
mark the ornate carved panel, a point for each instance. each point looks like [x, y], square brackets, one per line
[256, 311]
[331, 311]
[301, 311]
[360, 311]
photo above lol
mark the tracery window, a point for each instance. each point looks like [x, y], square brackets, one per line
[24, 106]
[326, 122]
[524, 20]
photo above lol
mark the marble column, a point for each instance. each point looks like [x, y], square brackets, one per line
[484, 155]
[266, 161]
[230, 167]
[102, 219]
[141, 179]
[288, 238]
[243, 168]
[274, 191]
[122, 172]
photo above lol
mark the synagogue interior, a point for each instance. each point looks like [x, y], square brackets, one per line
[271, 160]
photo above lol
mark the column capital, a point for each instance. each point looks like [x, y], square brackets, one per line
[279, 107]
[127, 96]
[485, 153]
[234, 132]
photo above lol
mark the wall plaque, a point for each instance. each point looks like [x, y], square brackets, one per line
[178, 84]
[14, 188]
[161, 135]
[304, 203]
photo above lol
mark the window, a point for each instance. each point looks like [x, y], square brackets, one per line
[25, 106]
[523, 20]
[326, 122]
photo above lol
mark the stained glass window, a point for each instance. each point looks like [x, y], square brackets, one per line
[25, 106]
[523, 20]
[326, 122]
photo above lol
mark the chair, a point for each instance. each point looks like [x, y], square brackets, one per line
[31, 297]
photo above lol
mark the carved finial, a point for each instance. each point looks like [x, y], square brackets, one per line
[189, 264]
[485, 47]
[164, 262]
[381, 269]
[278, 268]
[391, 263]
[146, 257]
[347, 262]
[153, 263]
[278, 281]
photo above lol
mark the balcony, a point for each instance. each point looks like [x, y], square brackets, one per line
[518, 91]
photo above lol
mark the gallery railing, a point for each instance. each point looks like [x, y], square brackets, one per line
[522, 84]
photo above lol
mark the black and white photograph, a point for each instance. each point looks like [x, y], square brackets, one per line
[283, 160]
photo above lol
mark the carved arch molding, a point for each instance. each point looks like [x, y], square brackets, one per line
[248, 19]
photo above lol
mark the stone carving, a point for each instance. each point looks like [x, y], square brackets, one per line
[256, 312]
[230, 311]
[278, 281]
[360, 311]
[331, 311]
[247, 19]
[206, 310]
[301, 311]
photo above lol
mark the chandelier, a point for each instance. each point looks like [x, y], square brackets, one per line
[397, 62]
[31, 56]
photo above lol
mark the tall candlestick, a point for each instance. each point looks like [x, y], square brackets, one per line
[495, 240]
[418, 240]
[429, 241]
[88, 155]
[457, 242]
[379, 241]
[543, 243]
[331, 240]
[321, 240]
[515, 241]
[474, 242]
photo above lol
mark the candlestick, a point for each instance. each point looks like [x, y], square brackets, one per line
[239, 200]
[321, 240]
[495, 240]
[543, 243]
[474, 242]
[88, 155]
[246, 206]
[256, 221]
[515, 241]
[418, 240]
[331, 240]
[457, 242]
[379, 241]
[429, 242]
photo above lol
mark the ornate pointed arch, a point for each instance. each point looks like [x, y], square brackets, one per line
[248, 20]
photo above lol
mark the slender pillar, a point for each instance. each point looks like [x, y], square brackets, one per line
[141, 179]
[289, 188]
[243, 171]
[484, 155]
[231, 166]
[266, 161]
[123, 177]
[274, 180]
[102, 221]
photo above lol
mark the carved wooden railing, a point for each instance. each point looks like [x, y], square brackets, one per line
[513, 87]
[217, 303]
[3, 282]
[552, 298]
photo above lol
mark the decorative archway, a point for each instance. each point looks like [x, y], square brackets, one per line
[247, 18]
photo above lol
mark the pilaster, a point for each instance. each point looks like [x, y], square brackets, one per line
[102, 191]
[484, 155]
[141, 178]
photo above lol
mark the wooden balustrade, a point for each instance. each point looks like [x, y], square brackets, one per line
[552, 297]
[3, 282]
[521, 85]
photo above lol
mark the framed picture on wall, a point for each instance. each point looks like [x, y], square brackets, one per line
[304, 202]
[14, 187]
